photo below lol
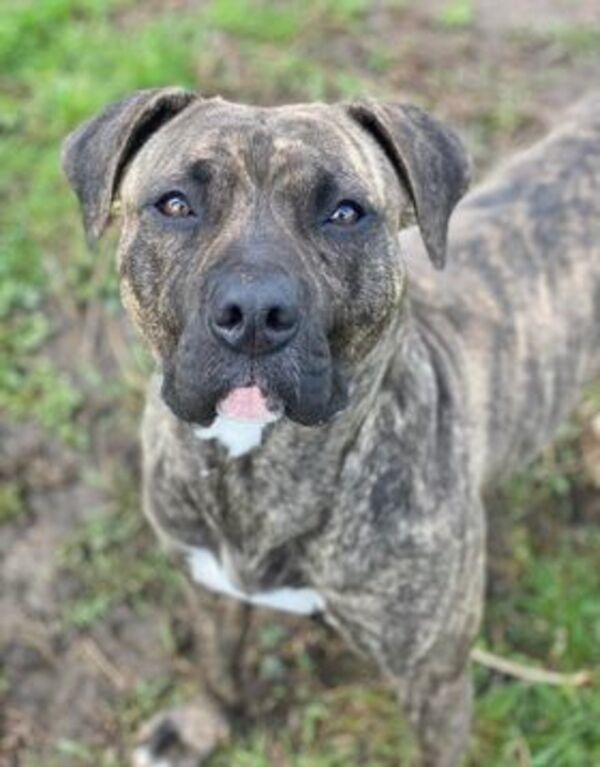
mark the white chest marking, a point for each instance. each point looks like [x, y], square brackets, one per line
[207, 571]
[143, 757]
[238, 436]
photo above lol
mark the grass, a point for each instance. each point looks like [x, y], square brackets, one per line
[352, 726]
[457, 14]
[105, 578]
[12, 507]
[61, 61]
[265, 22]
[578, 39]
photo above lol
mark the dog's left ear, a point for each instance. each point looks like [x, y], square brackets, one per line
[95, 155]
[429, 159]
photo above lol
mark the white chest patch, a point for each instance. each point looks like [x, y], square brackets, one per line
[208, 571]
[238, 436]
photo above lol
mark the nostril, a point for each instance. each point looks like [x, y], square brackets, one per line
[280, 319]
[229, 317]
[253, 316]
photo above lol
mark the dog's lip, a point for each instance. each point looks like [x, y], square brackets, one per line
[249, 404]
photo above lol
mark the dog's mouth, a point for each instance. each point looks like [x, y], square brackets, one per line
[248, 404]
[311, 398]
[241, 416]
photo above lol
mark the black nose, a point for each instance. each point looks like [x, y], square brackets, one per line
[254, 313]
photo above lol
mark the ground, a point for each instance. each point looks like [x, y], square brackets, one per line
[94, 630]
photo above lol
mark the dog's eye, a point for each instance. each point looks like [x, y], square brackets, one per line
[346, 213]
[175, 205]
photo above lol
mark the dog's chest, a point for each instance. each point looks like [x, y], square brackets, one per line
[218, 574]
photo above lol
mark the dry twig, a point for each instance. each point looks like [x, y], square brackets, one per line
[93, 652]
[529, 674]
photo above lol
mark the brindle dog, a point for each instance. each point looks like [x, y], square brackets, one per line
[327, 408]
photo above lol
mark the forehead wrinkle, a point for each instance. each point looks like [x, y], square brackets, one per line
[259, 151]
[248, 153]
[288, 157]
[337, 147]
[296, 160]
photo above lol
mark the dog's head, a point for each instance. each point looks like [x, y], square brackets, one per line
[259, 250]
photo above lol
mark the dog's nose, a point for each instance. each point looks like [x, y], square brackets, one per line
[255, 314]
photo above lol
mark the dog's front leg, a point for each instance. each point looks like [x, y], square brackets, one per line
[413, 605]
[439, 712]
[432, 685]
[434, 688]
[221, 626]
[187, 735]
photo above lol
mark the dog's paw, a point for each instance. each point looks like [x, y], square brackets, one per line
[181, 737]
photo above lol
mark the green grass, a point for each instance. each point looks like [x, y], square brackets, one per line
[95, 558]
[352, 726]
[545, 614]
[457, 14]
[12, 506]
[266, 22]
[256, 21]
[578, 39]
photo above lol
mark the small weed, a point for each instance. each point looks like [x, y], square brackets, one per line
[457, 14]
[379, 60]
[146, 699]
[12, 504]
[506, 114]
[344, 11]
[4, 683]
[71, 749]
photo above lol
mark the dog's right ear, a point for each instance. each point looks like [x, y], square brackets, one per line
[96, 154]
[429, 159]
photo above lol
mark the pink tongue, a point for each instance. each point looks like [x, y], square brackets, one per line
[245, 404]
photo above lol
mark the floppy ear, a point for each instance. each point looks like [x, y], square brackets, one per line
[96, 154]
[429, 159]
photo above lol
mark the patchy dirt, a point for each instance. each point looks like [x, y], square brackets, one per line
[501, 78]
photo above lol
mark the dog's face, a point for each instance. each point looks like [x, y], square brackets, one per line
[259, 250]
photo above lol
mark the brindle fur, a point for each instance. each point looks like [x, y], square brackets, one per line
[455, 379]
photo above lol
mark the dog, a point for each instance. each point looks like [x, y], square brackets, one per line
[327, 408]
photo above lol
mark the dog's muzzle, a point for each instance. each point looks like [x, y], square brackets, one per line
[255, 346]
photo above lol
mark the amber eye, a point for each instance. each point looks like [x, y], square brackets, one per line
[175, 205]
[346, 213]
